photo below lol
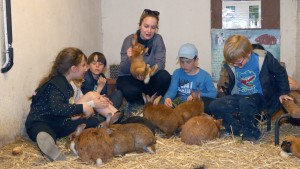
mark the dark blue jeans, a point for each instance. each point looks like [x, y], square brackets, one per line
[238, 111]
[58, 130]
[132, 88]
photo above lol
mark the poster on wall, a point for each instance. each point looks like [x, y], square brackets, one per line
[241, 14]
[268, 38]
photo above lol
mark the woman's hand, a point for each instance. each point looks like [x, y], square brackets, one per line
[140, 77]
[129, 52]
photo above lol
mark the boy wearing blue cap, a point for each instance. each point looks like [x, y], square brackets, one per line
[190, 77]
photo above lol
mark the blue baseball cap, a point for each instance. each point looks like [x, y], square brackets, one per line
[188, 51]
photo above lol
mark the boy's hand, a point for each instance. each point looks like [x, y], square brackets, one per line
[168, 102]
[190, 98]
[285, 97]
[101, 83]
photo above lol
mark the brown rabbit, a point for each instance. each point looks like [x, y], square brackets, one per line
[162, 116]
[130, 137]
[189, 109]
[200, 128]
[138, 67]
[91, 145]
[291, 145]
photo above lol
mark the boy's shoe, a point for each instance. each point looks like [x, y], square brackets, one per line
[48, 147]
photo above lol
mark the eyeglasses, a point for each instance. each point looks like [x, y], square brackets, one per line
[148, 11]
[239, 63]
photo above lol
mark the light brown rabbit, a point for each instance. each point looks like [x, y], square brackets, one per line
[130, 137]
[91, 145]
[162, 116]
[189, 109]
[138, 67]
[200, 128]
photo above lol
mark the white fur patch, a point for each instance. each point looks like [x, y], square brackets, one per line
[72, 147]
[99, 162]
[284, 154]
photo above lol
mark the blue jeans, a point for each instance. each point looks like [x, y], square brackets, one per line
[238, 111]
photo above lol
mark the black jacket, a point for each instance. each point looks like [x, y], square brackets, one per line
[273, 78]
[51, 103]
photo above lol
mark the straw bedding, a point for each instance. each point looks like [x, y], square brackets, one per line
[224, 152]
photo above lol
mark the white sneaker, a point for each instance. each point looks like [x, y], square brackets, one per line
[48, 147]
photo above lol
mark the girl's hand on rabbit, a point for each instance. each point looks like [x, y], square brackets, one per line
[87, 110]
[101, 103]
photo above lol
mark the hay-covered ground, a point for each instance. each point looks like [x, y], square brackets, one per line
[225, 152]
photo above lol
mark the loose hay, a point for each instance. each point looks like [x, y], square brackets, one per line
[171, 153]
[225, 152]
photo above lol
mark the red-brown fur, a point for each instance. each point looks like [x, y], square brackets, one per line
[162, 116]
[91, 144]
[138, 67]
[191, 108]
[130, 137]
[200, 128]
[294, 144]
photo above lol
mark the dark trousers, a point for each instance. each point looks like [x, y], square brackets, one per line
[57, 130]
[132, 88]
[237, 111]
[116, 98]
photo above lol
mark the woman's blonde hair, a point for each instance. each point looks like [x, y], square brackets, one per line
[236, 47]
[149, 13]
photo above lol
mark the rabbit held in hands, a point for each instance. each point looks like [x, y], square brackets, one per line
[130, 137]
[291, 145]
[138, 67]
[91, 145]
[200, 128]
[189, 109]
[162, 116]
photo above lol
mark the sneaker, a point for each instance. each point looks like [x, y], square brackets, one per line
[48, 147]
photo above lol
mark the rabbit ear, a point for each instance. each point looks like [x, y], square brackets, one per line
[152, 97]
[115, 117]
[156, 101]
[133, 39]
[144, 97]
[195, 95]
[79, 129]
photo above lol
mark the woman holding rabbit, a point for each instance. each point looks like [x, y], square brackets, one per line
[133, 87]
